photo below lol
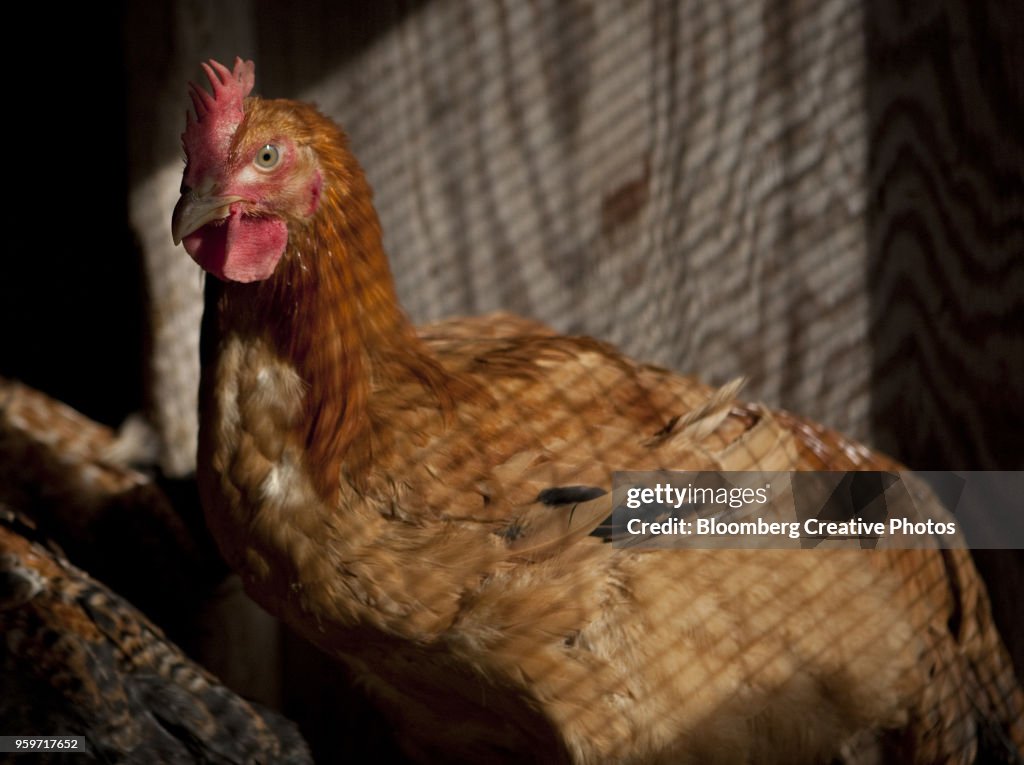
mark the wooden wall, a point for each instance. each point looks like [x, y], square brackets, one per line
[945, 115]
[945, 233]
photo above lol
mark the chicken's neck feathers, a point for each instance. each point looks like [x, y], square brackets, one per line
[332, 313]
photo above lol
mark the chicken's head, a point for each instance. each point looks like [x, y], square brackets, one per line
[250, 175]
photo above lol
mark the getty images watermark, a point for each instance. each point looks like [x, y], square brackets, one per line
[811, 509]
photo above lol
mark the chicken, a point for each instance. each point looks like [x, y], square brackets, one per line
[77, 659]
[426, 506]
[116, 522]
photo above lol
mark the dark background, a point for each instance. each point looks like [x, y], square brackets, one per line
[71, 307]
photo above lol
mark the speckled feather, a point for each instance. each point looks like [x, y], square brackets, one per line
[381, 489]
[79, 660]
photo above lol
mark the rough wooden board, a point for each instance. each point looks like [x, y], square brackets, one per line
[945, 104]
[946, 226]
[684, 180]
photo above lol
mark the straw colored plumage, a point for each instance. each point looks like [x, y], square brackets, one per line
[419, 503]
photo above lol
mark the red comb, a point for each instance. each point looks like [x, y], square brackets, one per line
[208, 135]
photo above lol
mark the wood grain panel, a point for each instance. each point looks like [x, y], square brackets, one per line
[945, 106]
[946, 227]
[684, 179]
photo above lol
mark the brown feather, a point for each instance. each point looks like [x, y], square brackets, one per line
[382, 490]
[80, 660]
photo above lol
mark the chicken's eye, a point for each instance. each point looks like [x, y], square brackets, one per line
[267, 157]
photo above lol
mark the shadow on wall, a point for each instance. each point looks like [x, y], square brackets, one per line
[946, 235]
[945, 107]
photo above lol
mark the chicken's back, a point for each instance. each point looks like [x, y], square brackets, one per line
[724, 655]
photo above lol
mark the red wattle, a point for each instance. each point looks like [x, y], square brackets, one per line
[240, 248]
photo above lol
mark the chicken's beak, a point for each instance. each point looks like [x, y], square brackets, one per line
[195, 209]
